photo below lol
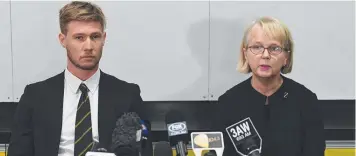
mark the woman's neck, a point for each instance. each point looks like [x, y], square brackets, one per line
[266, 86]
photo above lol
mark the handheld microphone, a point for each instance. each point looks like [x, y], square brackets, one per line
[210, 153]
[211, 141]
[177, 132]
[126, 136]
[162, 148]
[145, 134]
[245, 138]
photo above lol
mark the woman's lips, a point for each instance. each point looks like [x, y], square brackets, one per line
[264, 67]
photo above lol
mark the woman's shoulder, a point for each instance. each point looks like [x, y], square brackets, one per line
[297, 87]
[237, 90]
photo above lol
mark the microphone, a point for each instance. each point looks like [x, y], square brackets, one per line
[177, 132]
[245, 138]
[126, 136]
[145, 133]
[162, 148]
[211, 141]
[210, 153]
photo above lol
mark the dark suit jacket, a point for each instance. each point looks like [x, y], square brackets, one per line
[38, 118]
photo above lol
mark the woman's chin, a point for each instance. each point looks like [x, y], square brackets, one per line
[264, 74]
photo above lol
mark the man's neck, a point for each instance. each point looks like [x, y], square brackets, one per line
[267, 86]
[82, 74]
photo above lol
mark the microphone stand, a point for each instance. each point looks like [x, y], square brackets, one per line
[180, 148]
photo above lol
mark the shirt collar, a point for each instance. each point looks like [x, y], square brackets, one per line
[73, 82]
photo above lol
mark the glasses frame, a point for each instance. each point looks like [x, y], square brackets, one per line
[268, 50]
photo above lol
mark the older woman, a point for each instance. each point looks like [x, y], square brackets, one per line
[285, 114]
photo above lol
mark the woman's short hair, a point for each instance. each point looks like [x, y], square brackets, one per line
[274, 29]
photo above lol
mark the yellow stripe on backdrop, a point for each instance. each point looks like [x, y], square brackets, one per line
[340, 152]
[328, 152]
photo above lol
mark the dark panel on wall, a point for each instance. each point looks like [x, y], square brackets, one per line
[339, 114]
[7, 111]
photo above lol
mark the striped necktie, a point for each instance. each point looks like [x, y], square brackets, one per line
[83, 130]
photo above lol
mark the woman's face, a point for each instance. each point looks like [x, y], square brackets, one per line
[264, 55]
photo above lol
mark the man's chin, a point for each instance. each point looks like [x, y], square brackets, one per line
[87, 67]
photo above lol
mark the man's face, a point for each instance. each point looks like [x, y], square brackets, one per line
[84, 43]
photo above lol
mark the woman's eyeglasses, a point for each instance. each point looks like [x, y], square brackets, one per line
[272, 50]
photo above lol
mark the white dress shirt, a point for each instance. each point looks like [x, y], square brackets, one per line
[70, 102]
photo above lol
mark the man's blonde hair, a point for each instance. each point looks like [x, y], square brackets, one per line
[274, 29]
[80, 11]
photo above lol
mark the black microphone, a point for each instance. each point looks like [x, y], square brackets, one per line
[245, 138]
[145, 133]
[162, 148]
[177, 132]
[126, 136]
[210, 153]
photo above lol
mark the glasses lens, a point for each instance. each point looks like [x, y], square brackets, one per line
[256, 49]
[275, 50]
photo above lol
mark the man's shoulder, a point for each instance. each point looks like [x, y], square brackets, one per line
[46, 82]
[119, 83]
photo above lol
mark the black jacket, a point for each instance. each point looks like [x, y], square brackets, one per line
[38, 119]
[290, 125]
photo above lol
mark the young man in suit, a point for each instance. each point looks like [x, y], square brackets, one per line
[64, 114]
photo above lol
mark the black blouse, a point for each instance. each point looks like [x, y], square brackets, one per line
[290, 125]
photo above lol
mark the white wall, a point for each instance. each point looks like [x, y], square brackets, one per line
[6, 92]
[324, 34]
[152, 44]
[179, 51]
[37, 53]
[148, 43]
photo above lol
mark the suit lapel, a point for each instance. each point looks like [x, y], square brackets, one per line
[55, 108]
[106, 110]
